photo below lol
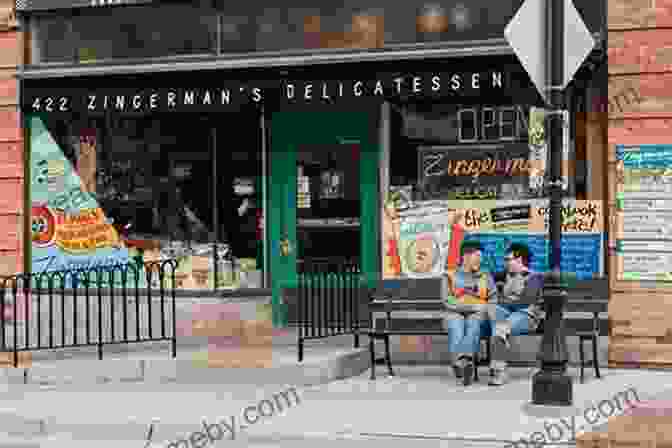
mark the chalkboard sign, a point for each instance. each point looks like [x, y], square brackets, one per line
[474, 172]
[581, 253]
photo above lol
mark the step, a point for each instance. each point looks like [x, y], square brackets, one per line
[323, 362]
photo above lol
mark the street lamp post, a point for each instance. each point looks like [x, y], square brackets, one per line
[551, 385]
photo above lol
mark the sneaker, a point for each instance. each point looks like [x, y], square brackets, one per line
[458, 370]
[468, 372]
[498, 377]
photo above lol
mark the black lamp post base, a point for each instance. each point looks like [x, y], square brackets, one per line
[552, 388]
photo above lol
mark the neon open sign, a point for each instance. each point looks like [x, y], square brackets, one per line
[491, 124]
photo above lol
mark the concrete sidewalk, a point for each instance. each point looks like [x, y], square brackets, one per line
[197, 363]
[421, 405]
[426, 402]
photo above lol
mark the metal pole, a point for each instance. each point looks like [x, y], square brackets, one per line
[551, 385]
[215, 209]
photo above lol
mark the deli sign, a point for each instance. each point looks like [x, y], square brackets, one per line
[230, 94]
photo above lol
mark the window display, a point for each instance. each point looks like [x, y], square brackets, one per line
[481, 184]
[116, 190]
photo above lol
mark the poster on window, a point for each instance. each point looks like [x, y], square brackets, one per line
[644, 212]
[69, 229]
[423, 239]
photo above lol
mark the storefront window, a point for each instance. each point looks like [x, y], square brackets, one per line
[114, 190]
[470, 152]
[225, 28]
[93, 35]
[484, 169]
[51, 41]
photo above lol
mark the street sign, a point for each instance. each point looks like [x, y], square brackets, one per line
[526, 34]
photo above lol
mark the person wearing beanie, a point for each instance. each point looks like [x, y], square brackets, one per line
[516, 312]
[469, 292]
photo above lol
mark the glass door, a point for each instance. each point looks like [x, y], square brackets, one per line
[323, 184]
[328, 203]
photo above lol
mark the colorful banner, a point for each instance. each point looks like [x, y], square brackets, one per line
[418, 240]
[69, 229]
[644, 212]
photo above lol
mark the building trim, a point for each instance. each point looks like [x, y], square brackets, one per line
[491, 47]
[400, 52]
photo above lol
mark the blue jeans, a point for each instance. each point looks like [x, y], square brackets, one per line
[513, 319]
[506, 320]
[464, 333]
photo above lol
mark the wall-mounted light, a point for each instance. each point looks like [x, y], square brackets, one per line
[460, 17]
[432, 19]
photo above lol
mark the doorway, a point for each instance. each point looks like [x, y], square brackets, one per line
[327, 204]
[323, 194]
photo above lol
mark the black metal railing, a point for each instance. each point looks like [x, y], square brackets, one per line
[328, 301]
[114, 304]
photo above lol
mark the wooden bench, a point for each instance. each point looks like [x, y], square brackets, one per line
[427, 294]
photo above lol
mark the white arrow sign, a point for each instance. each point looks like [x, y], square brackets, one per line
[526, 34]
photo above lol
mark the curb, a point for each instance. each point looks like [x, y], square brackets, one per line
[188, 371]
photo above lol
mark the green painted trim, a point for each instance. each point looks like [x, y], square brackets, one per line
[289, 130]
[370, 211]
[282, 209]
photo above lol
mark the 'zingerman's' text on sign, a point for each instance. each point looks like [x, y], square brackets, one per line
[166, 99]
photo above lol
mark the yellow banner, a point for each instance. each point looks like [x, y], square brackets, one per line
[85, 231]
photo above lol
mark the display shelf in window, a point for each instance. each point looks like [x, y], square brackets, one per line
[302, 189]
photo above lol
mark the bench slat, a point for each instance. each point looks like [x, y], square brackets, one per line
[573, 305]
[406, 326]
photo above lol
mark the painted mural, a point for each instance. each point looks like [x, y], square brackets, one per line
[69, 229]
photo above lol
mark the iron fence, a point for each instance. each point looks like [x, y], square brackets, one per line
[328, 301]
[114, 304]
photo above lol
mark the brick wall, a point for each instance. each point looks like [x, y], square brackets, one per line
[640, 112]
[11, 148]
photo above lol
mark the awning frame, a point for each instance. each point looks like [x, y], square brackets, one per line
[489, 47]
[297, 58]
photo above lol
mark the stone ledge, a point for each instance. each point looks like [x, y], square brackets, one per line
[237, 365]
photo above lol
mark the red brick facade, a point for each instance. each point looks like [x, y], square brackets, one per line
[640, 112]
[11, 148]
